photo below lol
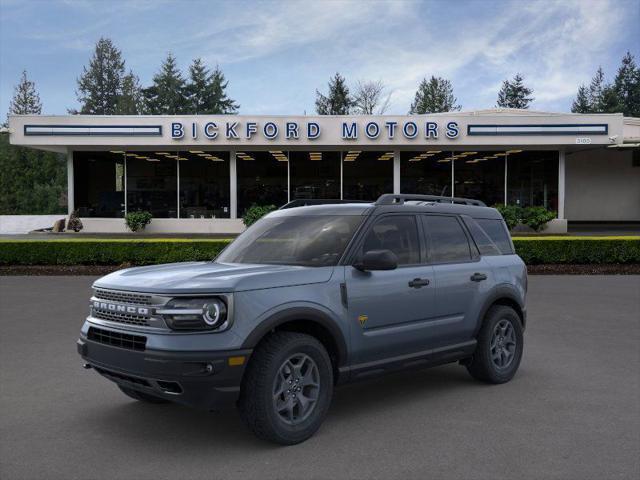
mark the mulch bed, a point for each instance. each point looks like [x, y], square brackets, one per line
[98, 270]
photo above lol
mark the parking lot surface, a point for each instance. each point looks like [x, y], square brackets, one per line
[572, 411]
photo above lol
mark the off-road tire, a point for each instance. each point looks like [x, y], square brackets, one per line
[482, 366]
[256, 403]
[141, 396]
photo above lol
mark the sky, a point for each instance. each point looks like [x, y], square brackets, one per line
[276, 54]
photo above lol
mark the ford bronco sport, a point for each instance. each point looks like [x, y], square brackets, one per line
[311, 297]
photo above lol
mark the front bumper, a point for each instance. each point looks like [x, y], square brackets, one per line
[204, 380]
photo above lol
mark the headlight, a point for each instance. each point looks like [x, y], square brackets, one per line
[195, 314]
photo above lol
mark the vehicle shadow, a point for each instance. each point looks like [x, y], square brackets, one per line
[192, 429]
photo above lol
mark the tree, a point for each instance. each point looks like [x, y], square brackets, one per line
[433, 96]
[581, 104]
[627, 86]
[25, 99]
[100, 85]
[167, 95]
[370, 98]
[338, 101]
[130, 101]
[596, 91]
[206, 92]
[514, 94]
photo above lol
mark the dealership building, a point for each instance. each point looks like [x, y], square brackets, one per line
[200, 173]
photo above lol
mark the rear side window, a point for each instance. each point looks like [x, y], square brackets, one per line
[484, 243]
[498, 233]
[447, 241]
[397, 233]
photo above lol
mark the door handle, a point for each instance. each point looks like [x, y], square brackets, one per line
[419, 282]
[478, 277]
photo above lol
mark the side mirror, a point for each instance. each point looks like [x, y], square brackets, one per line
[377, 260]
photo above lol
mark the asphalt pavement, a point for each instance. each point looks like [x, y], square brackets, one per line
[572, 411]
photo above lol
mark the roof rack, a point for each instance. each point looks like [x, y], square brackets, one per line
[304, 202]
[399, 199]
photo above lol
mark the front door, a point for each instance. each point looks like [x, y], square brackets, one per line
[390, 311]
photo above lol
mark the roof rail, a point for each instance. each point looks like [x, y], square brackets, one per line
[304, 202]
[399, 199]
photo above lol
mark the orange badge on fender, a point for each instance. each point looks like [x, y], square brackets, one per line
[362, 319]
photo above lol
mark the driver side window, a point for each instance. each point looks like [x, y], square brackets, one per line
[398, 233]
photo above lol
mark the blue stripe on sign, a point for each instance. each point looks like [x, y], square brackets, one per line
[532, 129]
[94, 130]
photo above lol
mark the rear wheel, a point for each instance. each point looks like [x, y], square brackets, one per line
[287, 388]
[141, 396]
[500, 345]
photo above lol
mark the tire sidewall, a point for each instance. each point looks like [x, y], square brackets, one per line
[299, 432]
[495, 374]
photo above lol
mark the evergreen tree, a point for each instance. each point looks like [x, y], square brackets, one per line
[25, 99]
[514, 94]
[433, 96]
[206, 91]
[596, 91]
[338, 101]
[627, 86]
[130, 101]
[581, 104]
[100, 85]
[167, 95]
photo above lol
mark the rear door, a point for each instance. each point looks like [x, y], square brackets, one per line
[461, 277]
[390, 311]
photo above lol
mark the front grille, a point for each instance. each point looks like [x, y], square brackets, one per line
[127, 318]
[115, 376]
[117, 339]
[123, 297]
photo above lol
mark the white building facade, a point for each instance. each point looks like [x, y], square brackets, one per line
[199, 174]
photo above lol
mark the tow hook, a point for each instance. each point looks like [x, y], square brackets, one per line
[86, 366]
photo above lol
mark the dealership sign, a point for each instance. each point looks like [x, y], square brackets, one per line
[292, 130]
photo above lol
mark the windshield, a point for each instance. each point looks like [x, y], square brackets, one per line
[312, 241]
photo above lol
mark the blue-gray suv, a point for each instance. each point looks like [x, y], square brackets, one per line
[311, 297]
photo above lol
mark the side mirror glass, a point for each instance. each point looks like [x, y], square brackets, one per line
[377, 260]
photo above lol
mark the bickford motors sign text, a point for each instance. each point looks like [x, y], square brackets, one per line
[312, 130]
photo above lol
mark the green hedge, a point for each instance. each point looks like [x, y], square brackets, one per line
[107, 252]
[578, 250]
[533, 250]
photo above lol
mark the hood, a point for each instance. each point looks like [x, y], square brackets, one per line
[210, 277]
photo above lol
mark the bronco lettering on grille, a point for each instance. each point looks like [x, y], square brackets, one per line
[117, 308]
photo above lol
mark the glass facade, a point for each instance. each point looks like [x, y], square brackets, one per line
[261, 179]
[197, 184]
[366, 175]
[204, 184]
[426, 172]
[99, 184]
[314, 175]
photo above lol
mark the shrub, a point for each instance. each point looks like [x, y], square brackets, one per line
[74, 223]
[578, 250]
[534, 217]
[255, 213]
[137, 220]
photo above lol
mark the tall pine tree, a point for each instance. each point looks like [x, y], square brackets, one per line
[167, 94]
[25, 99]
[433, 96]
[514, 94]
[206, 92]
[338, 100]
[130, 101]
[100, 85]
[627, 86]
[582, 103]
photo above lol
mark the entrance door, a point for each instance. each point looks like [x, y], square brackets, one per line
[389, 311]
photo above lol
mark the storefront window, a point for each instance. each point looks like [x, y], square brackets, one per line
[366, 175]
[532, 179]
[152, 183]
[314, 175]
[204, 184]
[426, 172]
[479, 175]
[99, 184]
[262, 179]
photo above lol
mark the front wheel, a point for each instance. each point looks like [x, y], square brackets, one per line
[287, 388]
[500, 345]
